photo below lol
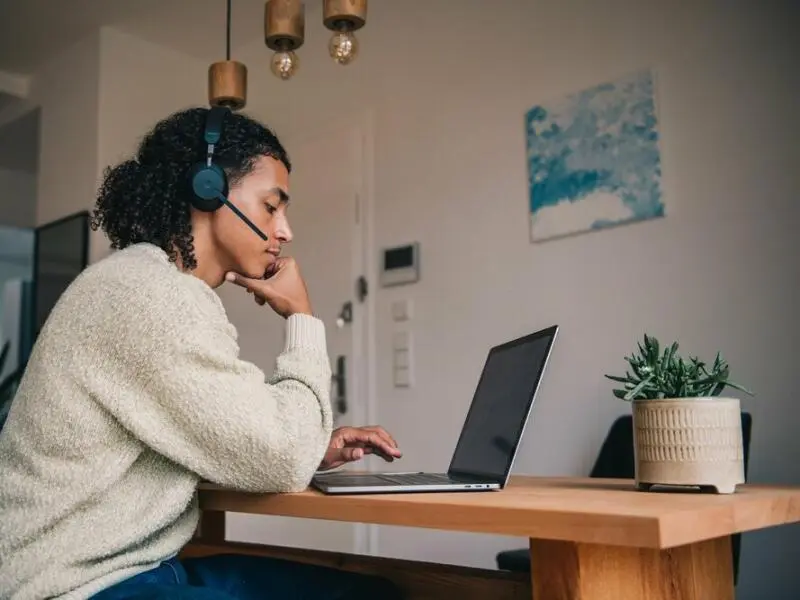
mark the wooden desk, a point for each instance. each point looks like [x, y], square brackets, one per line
[590, 539]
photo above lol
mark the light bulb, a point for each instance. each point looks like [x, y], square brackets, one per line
[343, 47]
[284, 64]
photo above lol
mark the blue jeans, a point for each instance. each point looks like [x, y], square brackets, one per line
[241, 577]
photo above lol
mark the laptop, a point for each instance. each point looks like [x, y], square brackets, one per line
[490, 437]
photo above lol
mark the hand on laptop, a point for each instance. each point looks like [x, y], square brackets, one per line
[349, 444]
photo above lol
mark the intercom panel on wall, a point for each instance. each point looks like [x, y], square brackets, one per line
[400, 265]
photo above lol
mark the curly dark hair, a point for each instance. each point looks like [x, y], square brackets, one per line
[147, 198]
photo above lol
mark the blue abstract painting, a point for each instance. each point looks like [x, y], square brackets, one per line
[593, 159]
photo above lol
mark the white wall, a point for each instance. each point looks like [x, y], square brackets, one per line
[449, 86]
[140, 83]
[66, 89]
[97, 100]
[17, 198]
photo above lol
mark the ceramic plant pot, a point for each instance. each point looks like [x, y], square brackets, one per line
[688, 442]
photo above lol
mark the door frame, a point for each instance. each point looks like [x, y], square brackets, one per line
[363, 383]
[366, 535]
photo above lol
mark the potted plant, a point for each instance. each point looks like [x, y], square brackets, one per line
[684, 432]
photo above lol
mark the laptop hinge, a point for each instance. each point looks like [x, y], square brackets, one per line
[472, 476]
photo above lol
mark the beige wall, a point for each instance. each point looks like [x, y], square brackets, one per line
[17, 198]
[66, 89]
[141, 82]
[97, 100]
[449, 84]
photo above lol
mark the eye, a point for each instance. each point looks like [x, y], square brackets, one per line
[271, 209]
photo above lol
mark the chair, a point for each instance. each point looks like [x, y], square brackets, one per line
[615, 461]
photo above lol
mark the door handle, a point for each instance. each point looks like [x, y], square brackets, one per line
[345, 315]
[339, 378]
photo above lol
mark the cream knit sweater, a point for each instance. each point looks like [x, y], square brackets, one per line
[134, 392]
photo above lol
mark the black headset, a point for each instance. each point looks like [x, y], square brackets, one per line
[208, 180]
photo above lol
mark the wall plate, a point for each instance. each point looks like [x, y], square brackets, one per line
[400, 265]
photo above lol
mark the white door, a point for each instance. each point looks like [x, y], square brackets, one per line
[328, 218]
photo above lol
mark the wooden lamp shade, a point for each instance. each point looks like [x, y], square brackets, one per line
[348, 15]
[227, 84]
[284, 24]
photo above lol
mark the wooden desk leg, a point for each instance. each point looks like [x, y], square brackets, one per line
[572, 571]
[212, 527]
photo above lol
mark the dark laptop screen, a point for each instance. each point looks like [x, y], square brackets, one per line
[501, 404]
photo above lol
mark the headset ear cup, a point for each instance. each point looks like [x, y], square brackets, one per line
[208, 183]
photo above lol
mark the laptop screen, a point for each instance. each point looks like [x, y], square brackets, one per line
[500, 407]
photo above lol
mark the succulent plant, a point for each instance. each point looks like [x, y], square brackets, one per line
[655, 374]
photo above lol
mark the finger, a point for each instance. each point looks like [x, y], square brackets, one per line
[374, 439]
[378, 452]
[383, 433]
[388, 439]
[242, 281]
[276, 266]
[351, 454]
[388, 446]
[258, 287]
[258, 298]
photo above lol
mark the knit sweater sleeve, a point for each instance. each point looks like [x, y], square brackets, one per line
[178, 385]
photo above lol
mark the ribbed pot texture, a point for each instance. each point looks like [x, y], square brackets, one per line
[688, 442]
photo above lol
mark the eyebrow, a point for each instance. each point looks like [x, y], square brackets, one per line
[284, 197]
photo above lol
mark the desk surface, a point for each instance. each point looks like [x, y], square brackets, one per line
[602, 511]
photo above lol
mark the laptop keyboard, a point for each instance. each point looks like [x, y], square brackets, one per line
[382, 479]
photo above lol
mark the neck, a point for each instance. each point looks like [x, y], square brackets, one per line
[208, 269]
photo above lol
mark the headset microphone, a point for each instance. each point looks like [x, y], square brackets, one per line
[240, 214]
[208, 181]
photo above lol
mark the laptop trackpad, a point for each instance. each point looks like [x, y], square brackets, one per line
[383, 479]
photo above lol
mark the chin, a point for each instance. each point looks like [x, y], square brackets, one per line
[256, 269]
[250, 269]
[255, 273]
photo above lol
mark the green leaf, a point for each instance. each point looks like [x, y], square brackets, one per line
[656, 351]
[633, 393]
[736, 386]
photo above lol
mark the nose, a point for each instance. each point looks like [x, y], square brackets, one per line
[282, 230]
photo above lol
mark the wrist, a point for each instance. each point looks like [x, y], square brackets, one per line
[305, 330]
[301, 309]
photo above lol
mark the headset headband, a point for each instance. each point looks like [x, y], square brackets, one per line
[216, 115]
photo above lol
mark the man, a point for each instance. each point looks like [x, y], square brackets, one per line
[135, 391]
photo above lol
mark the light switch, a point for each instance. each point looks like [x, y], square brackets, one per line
[401, 310]
[402, 378]
[401, 360]
[402, 340]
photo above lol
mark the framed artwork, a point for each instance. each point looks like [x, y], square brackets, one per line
[593, 159]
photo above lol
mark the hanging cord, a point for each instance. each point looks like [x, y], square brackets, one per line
[228, 35]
